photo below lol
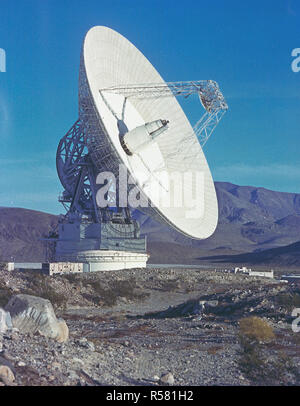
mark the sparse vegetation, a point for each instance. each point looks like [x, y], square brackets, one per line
[184, 330]
[214, 349]
[72, 278]
[106, 296]
[255, 328]
[40, 286]
[264, 369]
[128, 289]
[109, 295]
[251, 361]
[5, 294]
[170, 285]
[281, 366]
[289, 300]
[58, 300]
[2, 265]
[255, 361]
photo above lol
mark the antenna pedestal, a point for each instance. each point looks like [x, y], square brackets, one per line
[101, 238]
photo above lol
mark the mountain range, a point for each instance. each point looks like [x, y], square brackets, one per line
[251, 220]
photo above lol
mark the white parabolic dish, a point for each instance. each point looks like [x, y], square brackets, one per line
[108, 59]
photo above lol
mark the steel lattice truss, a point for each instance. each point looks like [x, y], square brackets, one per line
[74, 171]
[77, 159]
[208, 91]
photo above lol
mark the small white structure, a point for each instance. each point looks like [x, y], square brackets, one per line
[290, 278]
[10, 266]
[245, 270]
[62, 267]
[265, 274]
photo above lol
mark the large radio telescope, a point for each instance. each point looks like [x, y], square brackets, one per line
[129, 116]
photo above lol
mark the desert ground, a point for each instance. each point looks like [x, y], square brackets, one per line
[130, 327]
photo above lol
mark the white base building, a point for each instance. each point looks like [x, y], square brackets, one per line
[107, 260]
[108, 246]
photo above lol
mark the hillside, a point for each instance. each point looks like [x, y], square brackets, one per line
[283, 256]
[21, 231]
[250, 220]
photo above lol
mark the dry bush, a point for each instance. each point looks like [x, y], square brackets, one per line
[252, 362]
[5, 294]
[170, 285]
[263, 369]
[71, 277]
[116, 289]
[261, 366]
[289, 300]
[107, 296]
[3, 266]
[255, 328]
[40, 286]
[58, 300]
[214, 349]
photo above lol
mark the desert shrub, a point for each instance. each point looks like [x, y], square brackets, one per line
[295, 338]
[116, 289]
[263, 369]
[5, 295]
[189, 288]
[107, 296]
[255, 328]
[72, 278]
[2, 265]
[170, 285]
[281, 366]
[214, 349]
[251, 361]
[289, 300]
[256, 361]
[58, 300]
[128, 289]
[39, 286]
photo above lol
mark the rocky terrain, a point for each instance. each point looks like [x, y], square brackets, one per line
[250, 220]
[131, 327]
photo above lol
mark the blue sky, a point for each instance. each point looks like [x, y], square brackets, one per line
[244, 45]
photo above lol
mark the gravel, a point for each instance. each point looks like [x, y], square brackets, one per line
[133, 343]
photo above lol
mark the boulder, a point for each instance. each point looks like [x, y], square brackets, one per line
[4, 361]
[31, 314]
[6, 375]
[5, 321]
[167, 379]
[64, 331]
